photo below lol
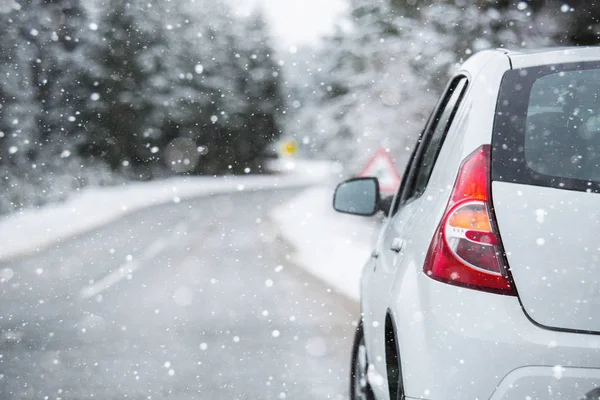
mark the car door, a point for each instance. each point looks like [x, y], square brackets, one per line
[395, 236]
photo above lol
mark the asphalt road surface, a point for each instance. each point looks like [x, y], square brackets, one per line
[195, 300]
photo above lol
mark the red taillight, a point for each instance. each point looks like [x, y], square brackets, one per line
[466, 249]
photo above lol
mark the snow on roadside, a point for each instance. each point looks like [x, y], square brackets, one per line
[34, 230]
[329, 245]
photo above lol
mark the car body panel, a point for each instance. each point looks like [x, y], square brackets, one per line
[415, 223]
[384, 278]
[550, 237]
[559, 55]
[557, 383]
[467, 341]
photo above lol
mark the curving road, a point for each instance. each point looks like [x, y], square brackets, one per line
[194, 300]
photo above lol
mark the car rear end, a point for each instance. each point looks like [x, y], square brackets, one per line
[510, 281]
[545, 188]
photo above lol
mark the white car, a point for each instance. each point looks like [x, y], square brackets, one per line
[485, 281]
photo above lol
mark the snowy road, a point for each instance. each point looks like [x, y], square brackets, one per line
[194, 300]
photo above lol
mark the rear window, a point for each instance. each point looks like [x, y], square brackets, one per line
[547, 127]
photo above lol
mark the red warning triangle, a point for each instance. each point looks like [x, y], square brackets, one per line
[381, 166]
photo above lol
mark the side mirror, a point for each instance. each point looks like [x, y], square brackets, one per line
[358, 196]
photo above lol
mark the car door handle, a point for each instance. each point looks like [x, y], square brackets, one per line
[397, 245]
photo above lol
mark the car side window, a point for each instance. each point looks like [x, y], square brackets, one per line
[405, 177]
[430, 142]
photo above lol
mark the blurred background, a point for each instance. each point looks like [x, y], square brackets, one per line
[166, 176]
[96, 91]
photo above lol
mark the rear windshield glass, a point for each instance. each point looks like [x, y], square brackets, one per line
[547, 127]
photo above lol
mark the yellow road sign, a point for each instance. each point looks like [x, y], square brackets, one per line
[290, 147]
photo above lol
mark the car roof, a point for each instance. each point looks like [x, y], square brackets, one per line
[551, 55]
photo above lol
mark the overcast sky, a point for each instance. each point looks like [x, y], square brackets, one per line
[297, 22]
[302, 21]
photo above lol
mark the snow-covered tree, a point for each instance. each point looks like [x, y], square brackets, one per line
[40, 47]
[252, 120]
[383, 70]
[367, 93]
[177, 83]
[141, 88]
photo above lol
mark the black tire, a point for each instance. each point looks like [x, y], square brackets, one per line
[359, 384]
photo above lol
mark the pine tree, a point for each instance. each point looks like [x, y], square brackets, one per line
[129, 48]
[41, 49]
[182, 91]
[253, 121]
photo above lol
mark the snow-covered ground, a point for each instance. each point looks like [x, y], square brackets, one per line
[331, 246]
[33, 230]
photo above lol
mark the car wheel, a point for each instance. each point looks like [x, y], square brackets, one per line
[359, 384]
